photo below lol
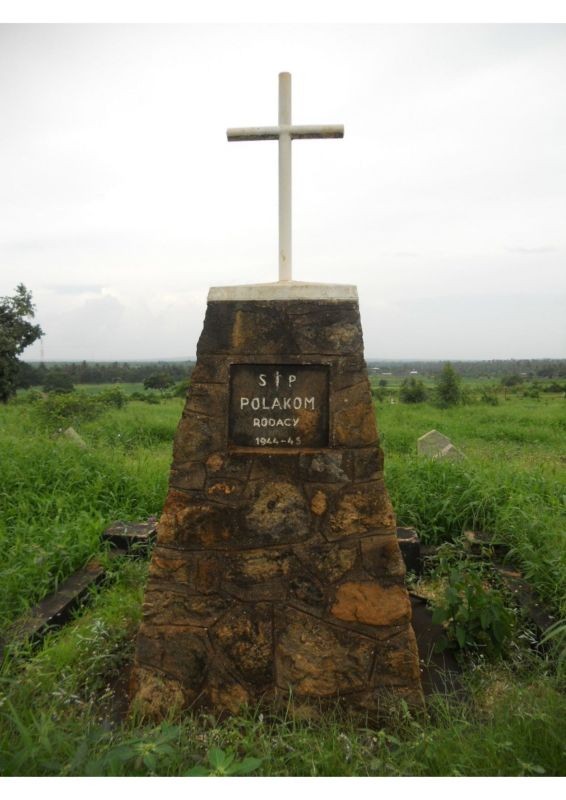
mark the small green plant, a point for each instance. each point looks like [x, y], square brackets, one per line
[138, 754]
[224, 764]
[473, 612]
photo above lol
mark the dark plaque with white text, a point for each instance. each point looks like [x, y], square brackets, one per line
[278, 405]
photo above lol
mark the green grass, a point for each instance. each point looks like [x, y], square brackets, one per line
[59, 705]
[58, 716]
[512, 482]
[56, 499]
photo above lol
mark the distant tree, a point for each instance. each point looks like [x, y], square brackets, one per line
[58, 382]
[16, 333]
[159, 380]
[511, 380]
[383, 382]
[448, 391]
[412, 390]
[27, 376]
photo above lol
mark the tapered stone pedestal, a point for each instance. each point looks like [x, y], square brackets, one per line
[277, 567]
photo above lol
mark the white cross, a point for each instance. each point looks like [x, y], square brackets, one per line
[285, 131]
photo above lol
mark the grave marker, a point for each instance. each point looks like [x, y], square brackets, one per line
[277, 567]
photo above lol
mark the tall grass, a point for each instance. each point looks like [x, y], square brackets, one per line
[56, 499]
[514, 487]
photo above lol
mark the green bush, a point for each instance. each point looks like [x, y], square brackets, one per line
[58, 382]
[114, 397]
[61, 410]
[448, 391]
[489, 397]
[472, 610]
[412, 391]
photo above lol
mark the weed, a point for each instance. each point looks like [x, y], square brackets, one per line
[475, 614]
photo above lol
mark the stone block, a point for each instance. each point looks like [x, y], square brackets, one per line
[319, 660]
[436, 445]
[371, 603]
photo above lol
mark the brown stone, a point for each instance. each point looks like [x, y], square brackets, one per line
[371, 604]
[315, 659]
[361, 509]
[156, 696]
[193, 524]
[318, 503]
[325, 467]
[228, 695]
[162, 605]
[354, 418]
[381, 556]
[278, 513]
[276, 566]
[259, 574]
[397, 660]
[177, 651]
[245, 637]
[329, 562]
[189, 476]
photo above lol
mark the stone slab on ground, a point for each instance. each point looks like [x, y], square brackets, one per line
[71, 434]
[55, 610]
[436, 445]
[133, 537]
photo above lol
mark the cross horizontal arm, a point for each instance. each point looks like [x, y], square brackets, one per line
[295, 131]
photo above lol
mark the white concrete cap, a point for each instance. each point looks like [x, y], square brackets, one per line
[285, 290]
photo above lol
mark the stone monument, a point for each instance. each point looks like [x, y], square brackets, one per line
[277, 567]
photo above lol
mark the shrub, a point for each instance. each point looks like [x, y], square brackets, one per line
[114, 397]
[60, 410]
[448, 391]
[58, 382]
[489, 397]
[473, 612]
[159, 380]
[412, 391]
[180, 389]
[511, 380]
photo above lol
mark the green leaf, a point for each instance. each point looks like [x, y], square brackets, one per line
[461, 635]
[246, 766]
[217, 758]
[197, 772]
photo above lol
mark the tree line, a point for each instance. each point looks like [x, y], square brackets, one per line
[496, 368]
[85, 372]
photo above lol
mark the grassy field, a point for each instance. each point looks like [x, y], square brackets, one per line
[59, 705]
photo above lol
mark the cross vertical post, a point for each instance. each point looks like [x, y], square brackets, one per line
[285, 132]
[285, 180]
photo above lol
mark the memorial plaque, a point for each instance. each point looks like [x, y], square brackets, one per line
[278, 405]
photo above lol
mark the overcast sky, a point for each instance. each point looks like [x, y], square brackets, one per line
[121, 201]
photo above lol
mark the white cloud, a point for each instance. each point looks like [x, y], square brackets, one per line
[120, 196]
